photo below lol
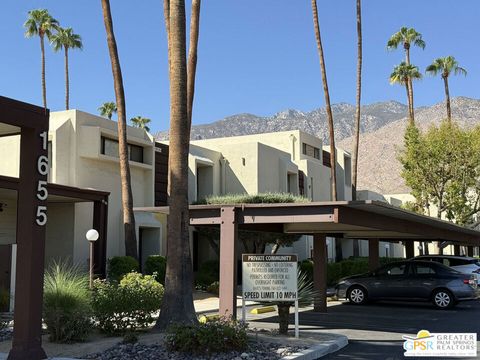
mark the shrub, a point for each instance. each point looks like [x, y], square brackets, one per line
[214, 288]
[156, 264]
[264, 198]
[118, 266]
[208, 273]
[215, 336]
[66, 307]
[129, 305]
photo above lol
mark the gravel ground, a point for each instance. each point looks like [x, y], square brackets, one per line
[256, 351]
[6, 333]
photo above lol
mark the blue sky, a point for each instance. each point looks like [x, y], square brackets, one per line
[255, 56]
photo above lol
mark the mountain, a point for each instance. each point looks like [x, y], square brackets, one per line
[378, 167]
[382, 128]
[314, 122]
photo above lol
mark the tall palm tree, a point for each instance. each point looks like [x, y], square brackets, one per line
[406, 37]
[403, 74]
[328, 107]
[108, 109]
[127, 197]
[358, 100]
[41, 23]
[192, 55]
[446, 66]
[140, 122]
[66, 39]
[177, 304]
[356, 245]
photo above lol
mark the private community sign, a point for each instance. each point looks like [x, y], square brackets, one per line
[269, 277]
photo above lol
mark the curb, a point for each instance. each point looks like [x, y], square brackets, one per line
[320, 350]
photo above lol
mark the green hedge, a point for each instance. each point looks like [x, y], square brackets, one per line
[128, 305]
[118, 266]
[156, 264]
[344, 268]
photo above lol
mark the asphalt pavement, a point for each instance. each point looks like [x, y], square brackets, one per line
[375, 330]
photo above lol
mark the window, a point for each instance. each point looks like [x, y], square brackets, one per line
[424, 270]
[311, 151]
[326, 158]
[109, 147]
[393, 270]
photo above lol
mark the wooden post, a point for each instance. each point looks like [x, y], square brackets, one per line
[470, 251]
[31, 221]
[100, 223]
[456, 250]
[373, 254]
[409, 249]
[320, 272]
[228, 262]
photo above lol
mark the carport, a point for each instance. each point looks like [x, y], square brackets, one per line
[368, 220]
[33, 194]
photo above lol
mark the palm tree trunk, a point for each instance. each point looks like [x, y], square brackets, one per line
[192, 56]
[44, 85]
[177, 304]
[356, 245]
[410, 97]
[327, 101]
[67, 82]
[127, 197]
[447, 99]
[410, 104]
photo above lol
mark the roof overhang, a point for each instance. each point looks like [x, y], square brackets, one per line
[347, 219]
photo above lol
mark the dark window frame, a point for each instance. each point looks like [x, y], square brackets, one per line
[140, 159]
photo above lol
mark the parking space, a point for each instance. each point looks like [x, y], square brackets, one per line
[375, 330]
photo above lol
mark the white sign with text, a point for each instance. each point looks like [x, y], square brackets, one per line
[269, 277]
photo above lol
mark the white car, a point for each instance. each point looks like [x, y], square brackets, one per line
[464, 264]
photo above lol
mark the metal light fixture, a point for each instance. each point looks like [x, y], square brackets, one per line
[92, 236]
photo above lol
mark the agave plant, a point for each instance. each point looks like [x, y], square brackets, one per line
[306, 297]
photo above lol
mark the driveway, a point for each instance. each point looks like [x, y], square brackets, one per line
[375, 331]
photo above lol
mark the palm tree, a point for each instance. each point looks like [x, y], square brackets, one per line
[65, 39]
[356, 246]
[40, 23]
[107, 109]
[127, 197]
[192, 55]
[446, 66]
[406, 37]
[327, 101]
[140, 122]
[177, 304]
[403, 74]
[359, 94]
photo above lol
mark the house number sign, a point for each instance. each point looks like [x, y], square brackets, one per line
[42, 192]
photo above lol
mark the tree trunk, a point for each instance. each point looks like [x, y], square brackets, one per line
[356, 245]
[409, 81]
[283, 317]
[447, 99]
[410, 114]
[177, 304]
[67, 82]
[358, 103]
[192, 56]
[327, 101]
[44, 85]
[127, 198]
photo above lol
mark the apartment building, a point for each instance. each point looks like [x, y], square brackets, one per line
[83, 153]
[288, 161]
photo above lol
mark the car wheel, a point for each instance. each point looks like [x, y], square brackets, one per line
[443, 299]
[357, 295]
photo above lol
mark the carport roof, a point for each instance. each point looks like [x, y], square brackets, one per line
[367, 219]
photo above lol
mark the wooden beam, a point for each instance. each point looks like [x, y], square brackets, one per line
[373, 254]
[228, 263]
[320, 272]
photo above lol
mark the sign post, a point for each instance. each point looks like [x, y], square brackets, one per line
[271, 278]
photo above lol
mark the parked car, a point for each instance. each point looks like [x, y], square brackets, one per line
[464, 264]
[412, 280]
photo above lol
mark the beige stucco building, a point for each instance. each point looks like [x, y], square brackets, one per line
[83, 153]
